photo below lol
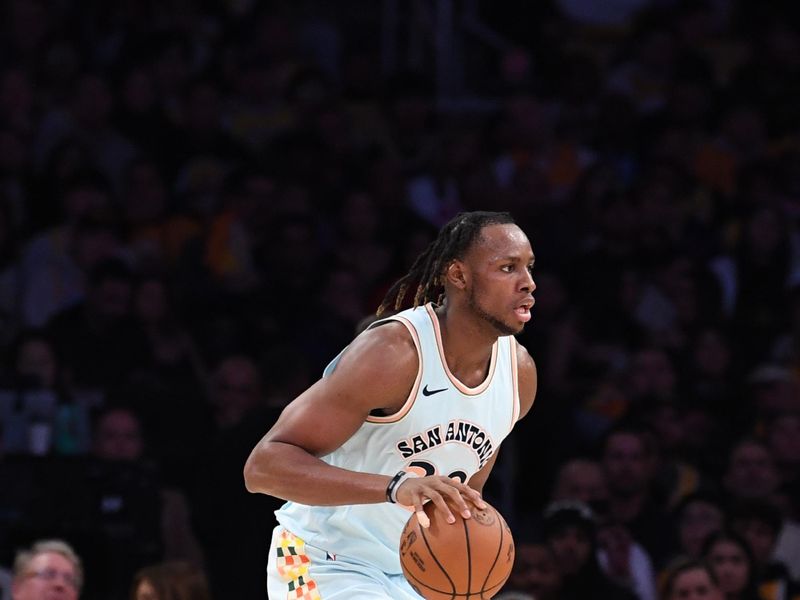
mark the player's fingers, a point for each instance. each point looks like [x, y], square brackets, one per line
[474, 496]
[457, 499]
[441, 505]
[423, 519]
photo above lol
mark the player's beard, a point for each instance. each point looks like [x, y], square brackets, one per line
[502, 327]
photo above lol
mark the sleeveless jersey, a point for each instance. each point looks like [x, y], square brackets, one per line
[444, 428]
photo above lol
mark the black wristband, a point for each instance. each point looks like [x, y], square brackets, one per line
[391, 489]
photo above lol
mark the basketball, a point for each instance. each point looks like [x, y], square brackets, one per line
[466, 560]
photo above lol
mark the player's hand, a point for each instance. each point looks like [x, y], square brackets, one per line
[449, 495]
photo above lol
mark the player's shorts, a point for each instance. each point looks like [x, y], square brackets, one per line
[297, 571]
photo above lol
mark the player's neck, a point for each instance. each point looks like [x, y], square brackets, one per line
[467, 346]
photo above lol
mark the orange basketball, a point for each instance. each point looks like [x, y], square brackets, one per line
[466, 560]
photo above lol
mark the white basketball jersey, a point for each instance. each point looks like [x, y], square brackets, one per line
[444, 428]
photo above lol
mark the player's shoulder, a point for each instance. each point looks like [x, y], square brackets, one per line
[525, 362]
[385, 349]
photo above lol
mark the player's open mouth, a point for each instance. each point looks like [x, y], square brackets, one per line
[524, 310]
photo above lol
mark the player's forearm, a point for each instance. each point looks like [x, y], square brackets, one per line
[289, 472]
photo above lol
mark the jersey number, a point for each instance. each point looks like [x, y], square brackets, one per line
[425, 469]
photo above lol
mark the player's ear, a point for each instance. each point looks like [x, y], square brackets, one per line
[456, 274]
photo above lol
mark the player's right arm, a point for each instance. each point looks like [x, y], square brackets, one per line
[378, 370]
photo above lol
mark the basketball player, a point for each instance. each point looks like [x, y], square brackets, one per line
[412, 411]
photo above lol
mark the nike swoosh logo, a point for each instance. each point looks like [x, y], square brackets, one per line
[427, 392]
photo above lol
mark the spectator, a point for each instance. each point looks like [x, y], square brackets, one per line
[690, 579]
[5, 584]
[759, 522]
[571, 533]
[621, 558]
[55, 262]
[697, 516]
[136, 512]
[730, 559]
[752, 474]
[37, 385]
[170, 581]
[230, 517]
[628, 459]
[101, 344]
[48, 569]
[535, 575]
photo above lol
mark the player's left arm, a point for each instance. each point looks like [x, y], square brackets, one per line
[528, 381]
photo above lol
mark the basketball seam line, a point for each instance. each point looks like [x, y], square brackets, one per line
[494, 564]
[433, 555]
[469, 560]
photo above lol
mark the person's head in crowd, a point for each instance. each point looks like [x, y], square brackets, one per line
[34, 360]
[697, 516]
[250, 194]
[84, 192]
[581, 479]
[145, 197]
[202, 107]
[744, 129]
[109, 291]
[690, 579]
[48, 570]
[774, 389]
[665, 418]
[14, 160]
[782, 438]
[28, 24]
[172, 63]
[91, 102]
[309, 92]
[96, 239]
[570, 530]
[409, 104]
[16, 98]
[711, 353]
[651, 374]
[235, 389]
[759, 522]
[117, 435]
[341, 294]
[8, 232]
[628, 457]
[730, 558]
[751, 470]
[151, 300]
[136, 91]
[535, 571]
[170, 580]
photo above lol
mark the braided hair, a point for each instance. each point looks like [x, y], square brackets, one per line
[453, 241]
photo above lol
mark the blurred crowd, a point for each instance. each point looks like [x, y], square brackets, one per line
[201, 200]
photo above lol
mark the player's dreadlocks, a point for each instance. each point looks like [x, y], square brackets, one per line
[453, 241]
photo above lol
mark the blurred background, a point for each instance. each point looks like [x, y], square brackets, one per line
[200, 200]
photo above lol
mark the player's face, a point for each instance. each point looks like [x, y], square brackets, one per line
[501, 286]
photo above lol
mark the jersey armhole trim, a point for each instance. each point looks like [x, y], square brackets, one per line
[514, 381]
[412, 396]
[467, 391]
